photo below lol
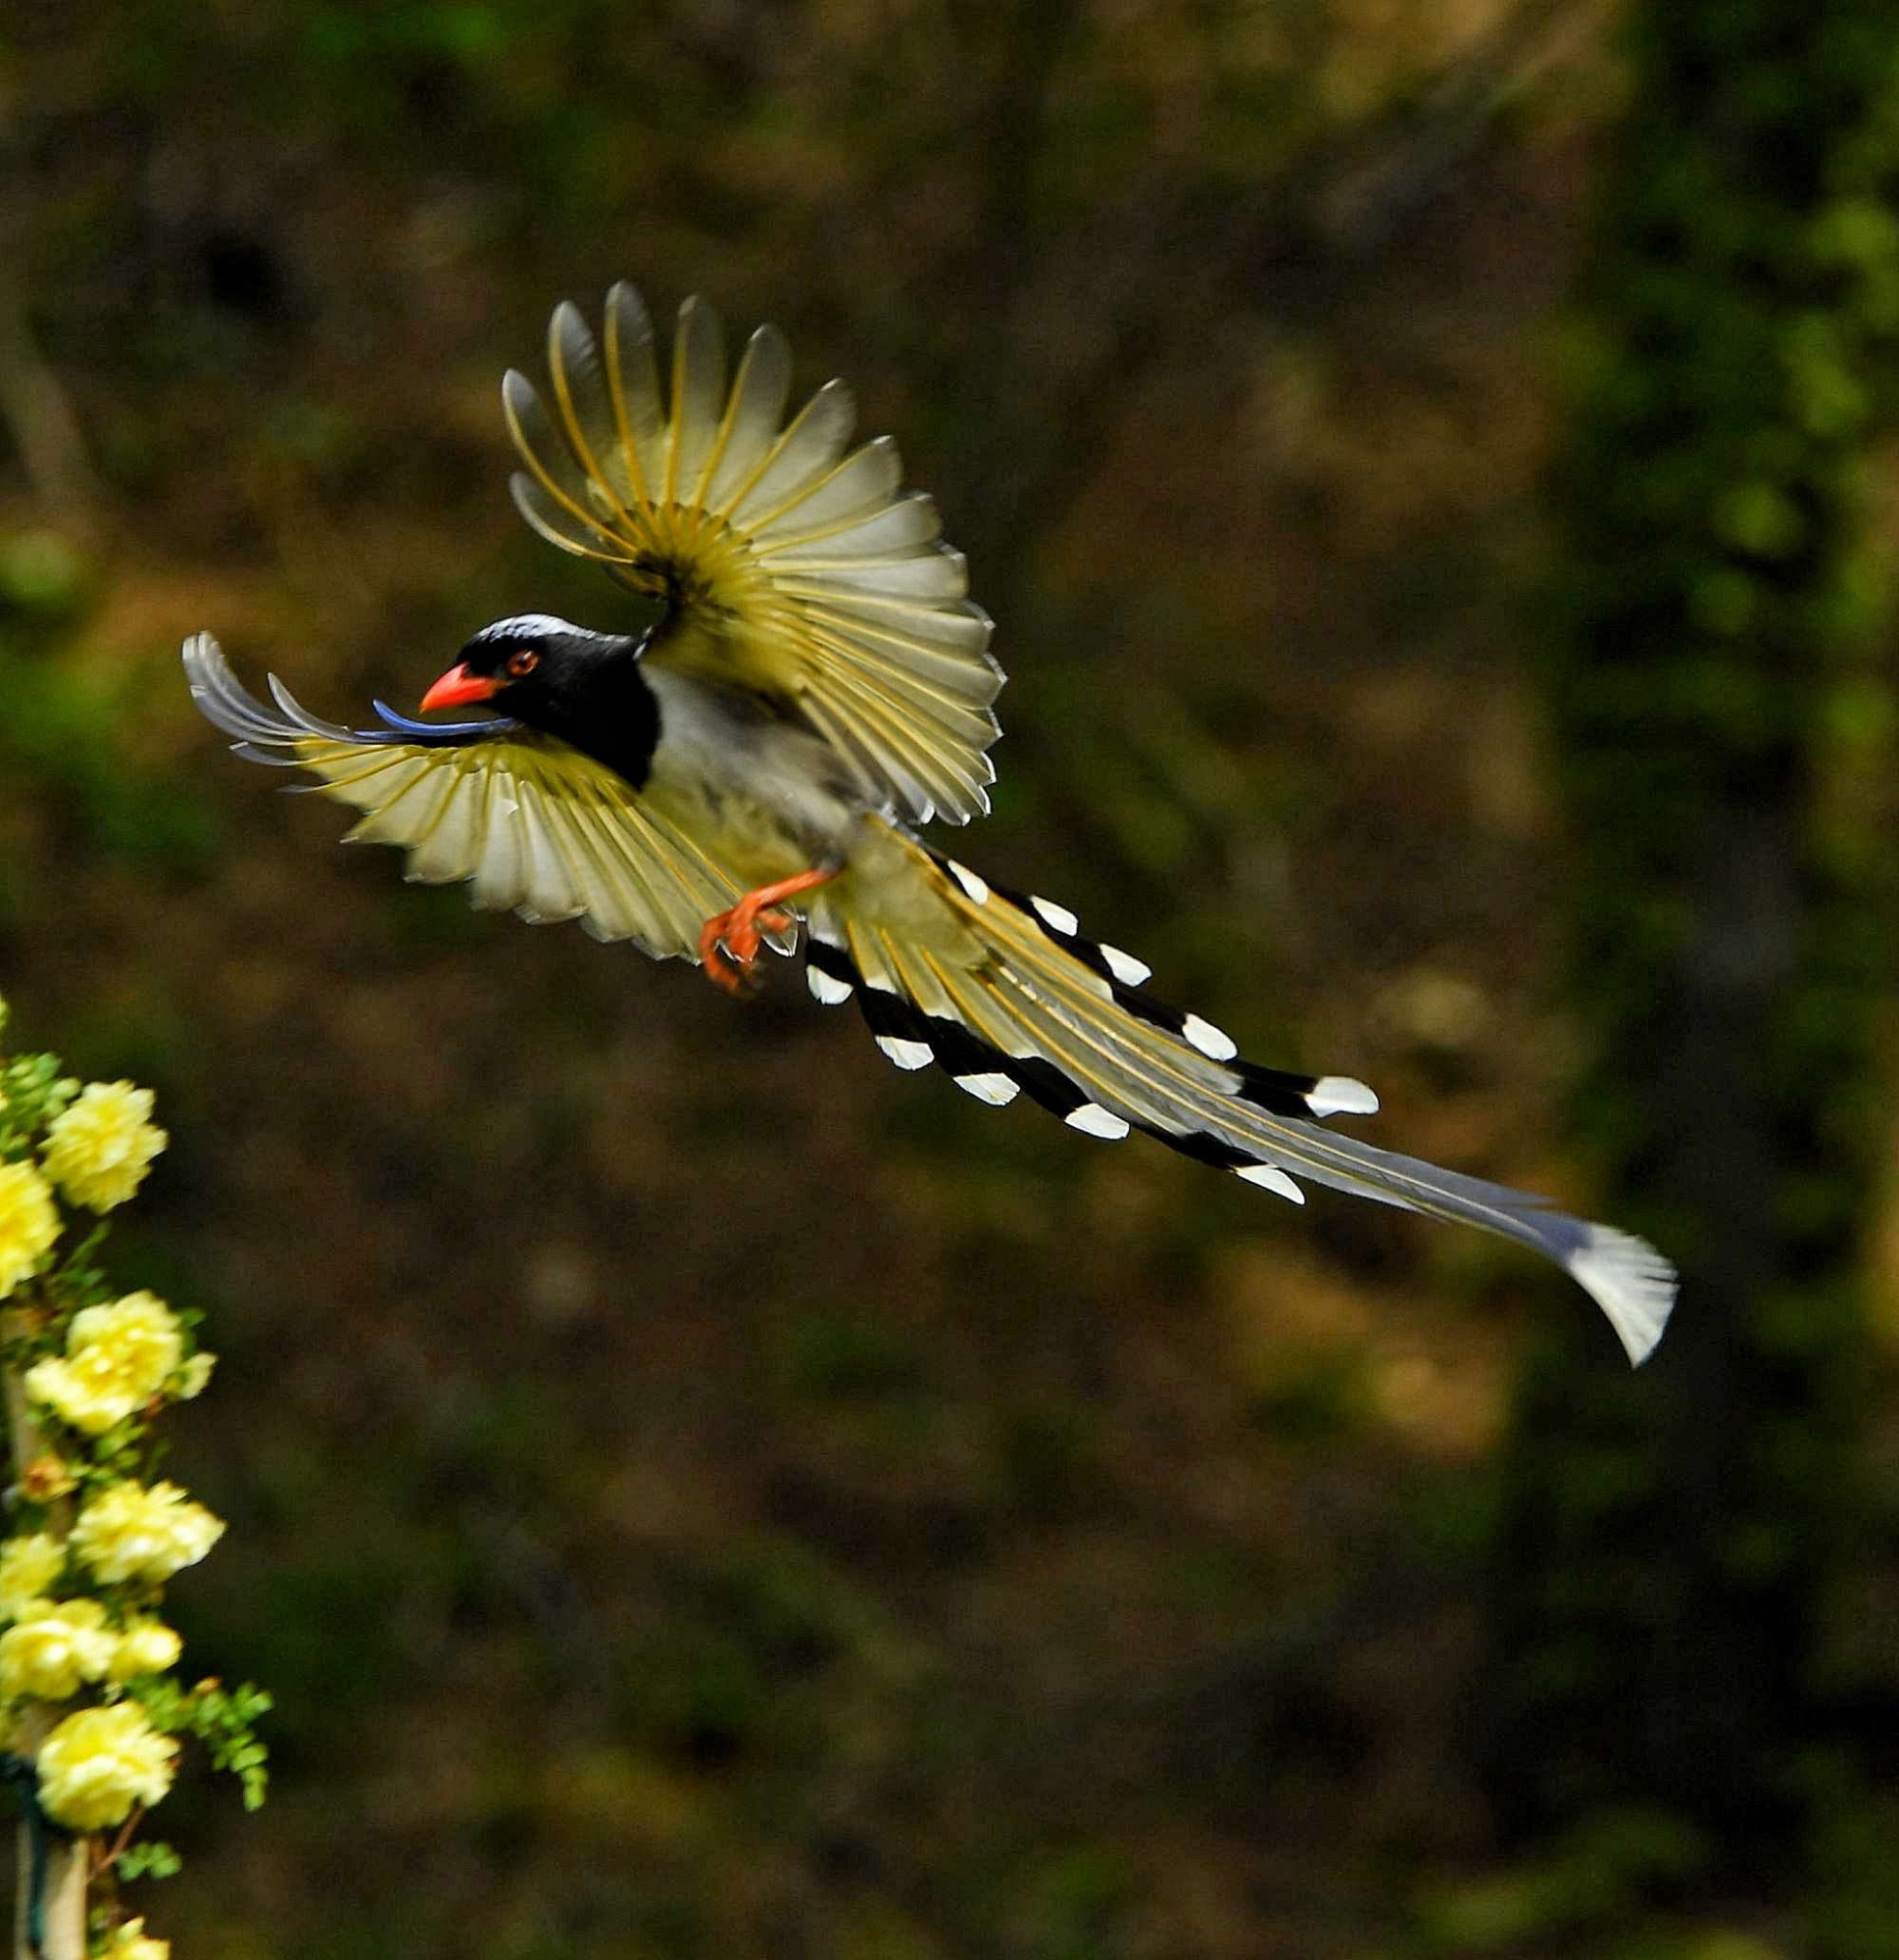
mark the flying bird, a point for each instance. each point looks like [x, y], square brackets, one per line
[756, 767]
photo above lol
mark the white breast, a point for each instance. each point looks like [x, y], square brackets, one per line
[759, 793]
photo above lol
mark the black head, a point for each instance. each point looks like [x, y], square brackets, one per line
[584, 687]
[535, 667]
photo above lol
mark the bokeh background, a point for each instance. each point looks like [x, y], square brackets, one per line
[694, 1492]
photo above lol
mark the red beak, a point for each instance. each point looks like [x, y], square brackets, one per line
[457, 687]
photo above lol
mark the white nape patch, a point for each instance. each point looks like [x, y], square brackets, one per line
[1341, 1095]
[1058, 916]
[1631, 1283]
[907, 1054]
[533, 626]
[992, 1088]
[1127, 969]
[1092, 1120]
[826, 989]
[969, 880]
[1213, 1042]
[1269, 1177]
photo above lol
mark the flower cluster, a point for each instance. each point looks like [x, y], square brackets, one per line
[99, 1148]
[94, 1142]
[129, 1532]
[117, 1358]
[29, 1568]
[29, 1224]
[86, 1682]
[52, 1647]
[97, 1764]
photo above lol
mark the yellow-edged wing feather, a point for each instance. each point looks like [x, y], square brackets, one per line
[534, 825]
[796, 569]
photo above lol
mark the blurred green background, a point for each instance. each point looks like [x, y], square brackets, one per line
[695, 1492]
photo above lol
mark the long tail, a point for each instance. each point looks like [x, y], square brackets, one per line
[1006, 995]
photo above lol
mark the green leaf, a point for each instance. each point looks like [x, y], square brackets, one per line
[154, 1859]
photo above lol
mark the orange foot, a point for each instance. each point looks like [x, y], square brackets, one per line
[729, 941]
[728, 944]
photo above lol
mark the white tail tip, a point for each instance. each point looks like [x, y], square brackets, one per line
[1631, 1283]
[1341, 1095]
[1269, 1177]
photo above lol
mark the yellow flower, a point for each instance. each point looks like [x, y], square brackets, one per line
[194, 1375]
[130, 1532]
[100, 1762]
[139, 1332]
[130, 1941]
[54, 1648]
[29, 1222]
[29, 1567]
[99, 1147]
[87, 1392]
[118, 1357]
[146, 1646]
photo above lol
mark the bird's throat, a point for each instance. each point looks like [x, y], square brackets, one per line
[608, 714]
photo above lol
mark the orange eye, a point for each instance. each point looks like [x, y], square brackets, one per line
[523, 664]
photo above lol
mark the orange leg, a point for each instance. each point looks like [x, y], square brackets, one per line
[728, 942]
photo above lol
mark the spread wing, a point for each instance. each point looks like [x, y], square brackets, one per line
[795, 570]
[536, 826]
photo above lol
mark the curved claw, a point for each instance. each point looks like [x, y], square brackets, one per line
[729, 944]
[729, 941]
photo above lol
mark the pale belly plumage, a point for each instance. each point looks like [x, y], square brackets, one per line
[769, 802]
[764, 797]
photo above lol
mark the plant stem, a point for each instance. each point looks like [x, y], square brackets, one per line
[63, 1896]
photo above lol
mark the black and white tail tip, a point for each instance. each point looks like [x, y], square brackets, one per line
[1068, 1020]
